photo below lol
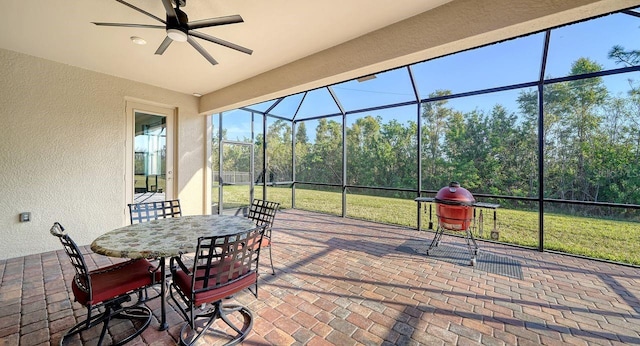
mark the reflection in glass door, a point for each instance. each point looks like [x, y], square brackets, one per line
[150, 157]
[149, 166]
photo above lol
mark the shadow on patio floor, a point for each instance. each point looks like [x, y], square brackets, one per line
[348, 282]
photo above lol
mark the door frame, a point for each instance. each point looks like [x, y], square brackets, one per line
[170, 113]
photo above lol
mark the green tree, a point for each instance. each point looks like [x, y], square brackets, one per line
[572, 117]
[435, 117]
[467, 148]
[626, 57]
[279, 151]
[363, 142]
[381, 154]
[323, 163]
[301, 133]
[302, 148]
[581, 123]
[398, 154]
[510, 164]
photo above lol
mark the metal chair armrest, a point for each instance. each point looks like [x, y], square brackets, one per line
[178, 260]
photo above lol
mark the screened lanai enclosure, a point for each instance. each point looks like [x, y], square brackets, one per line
[546, 125]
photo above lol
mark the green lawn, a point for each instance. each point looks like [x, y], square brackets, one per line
[592, 237]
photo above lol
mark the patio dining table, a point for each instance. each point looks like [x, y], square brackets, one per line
[166, 238]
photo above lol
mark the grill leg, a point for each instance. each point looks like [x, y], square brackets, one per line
[473, 249]
[436, 239]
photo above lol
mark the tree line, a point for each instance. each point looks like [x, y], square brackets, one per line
[591, 140]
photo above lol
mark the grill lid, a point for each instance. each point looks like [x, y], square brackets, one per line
[454, 195]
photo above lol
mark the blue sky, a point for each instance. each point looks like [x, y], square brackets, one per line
[506, 63]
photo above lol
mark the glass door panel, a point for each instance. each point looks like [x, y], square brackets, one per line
[150, 148]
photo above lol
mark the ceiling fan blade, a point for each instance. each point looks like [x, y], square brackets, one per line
[142, 11]
[171, 12]
[205, 23]
[164, 45]
[220, 42]
[204, 53]
[131, 25]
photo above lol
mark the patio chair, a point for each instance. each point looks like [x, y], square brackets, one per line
[222, 267]
[107, 292]
[147, 211]
[263, 213]
[143, 212]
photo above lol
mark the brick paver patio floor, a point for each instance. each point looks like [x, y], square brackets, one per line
[346, 282]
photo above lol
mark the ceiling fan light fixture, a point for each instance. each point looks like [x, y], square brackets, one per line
[177, 35]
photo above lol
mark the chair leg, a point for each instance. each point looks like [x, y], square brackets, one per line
[90, 322]
[113, 310]
[247, 320]
[105, 324]
[273, 271]
[192, 326]
[190, 334]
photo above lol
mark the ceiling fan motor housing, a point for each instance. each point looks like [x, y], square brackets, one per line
[177, 28]
[178, 22]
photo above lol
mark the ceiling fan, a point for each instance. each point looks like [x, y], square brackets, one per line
[180, 29]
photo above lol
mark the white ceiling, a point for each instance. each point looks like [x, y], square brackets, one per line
[278, 32]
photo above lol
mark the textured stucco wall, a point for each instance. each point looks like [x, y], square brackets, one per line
[62, 151]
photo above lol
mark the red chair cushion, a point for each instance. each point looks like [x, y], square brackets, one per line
[115, 280]
[183, 280]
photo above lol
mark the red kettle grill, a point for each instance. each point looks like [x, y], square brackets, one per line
[454, 209]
